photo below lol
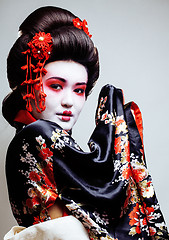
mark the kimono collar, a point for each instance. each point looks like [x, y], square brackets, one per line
[25, 117]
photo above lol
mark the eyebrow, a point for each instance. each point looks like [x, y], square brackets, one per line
[57, 78]
[63, 80]
[81, 83]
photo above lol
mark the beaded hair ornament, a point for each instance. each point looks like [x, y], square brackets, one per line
[40, 48]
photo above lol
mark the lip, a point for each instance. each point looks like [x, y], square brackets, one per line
[66, 115]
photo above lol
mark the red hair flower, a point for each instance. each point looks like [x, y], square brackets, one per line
[41, 40]
[77, 23]
[41, 45]
[81, 25]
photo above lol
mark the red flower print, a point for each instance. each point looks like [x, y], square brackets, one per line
[138, 230]
[127, 151]
[43, 190]
[126, 173]
[37, 220]
[118, 122]
[134, 215]
[64, 132]
[152, 231]
[49, 176]
[36, 201]
[44, 145]
[45, 153]
[34, 176]
[148, 211]
[104, 116]
[117, 145]
[139, 174]
[48, 182]
[136, 219]
[144, 222]
[127, 198]
[51, 198]
[48, 170]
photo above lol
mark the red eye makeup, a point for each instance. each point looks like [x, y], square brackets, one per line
[55, 83]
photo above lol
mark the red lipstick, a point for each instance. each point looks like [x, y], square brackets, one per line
[66, 115]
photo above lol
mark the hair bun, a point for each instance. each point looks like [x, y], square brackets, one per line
[45, 19]
[11, 104]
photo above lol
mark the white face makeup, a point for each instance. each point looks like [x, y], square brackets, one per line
[64, 85]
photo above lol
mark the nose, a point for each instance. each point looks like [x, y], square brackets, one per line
[67, 99]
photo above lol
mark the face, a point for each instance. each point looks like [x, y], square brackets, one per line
[64, 85]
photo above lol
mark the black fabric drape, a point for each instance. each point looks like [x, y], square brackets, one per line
[92, 179]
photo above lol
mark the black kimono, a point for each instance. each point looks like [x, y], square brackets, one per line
[108, 189]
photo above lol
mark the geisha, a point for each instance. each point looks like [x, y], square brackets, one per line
[56, 190]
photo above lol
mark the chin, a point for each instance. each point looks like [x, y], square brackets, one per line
[66, 126]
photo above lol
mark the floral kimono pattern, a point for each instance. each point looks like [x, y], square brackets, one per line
[109, 189]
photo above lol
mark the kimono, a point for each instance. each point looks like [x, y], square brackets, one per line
[109, 189]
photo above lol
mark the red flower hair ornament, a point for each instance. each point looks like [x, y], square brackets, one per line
[40, 48]
[81, 25]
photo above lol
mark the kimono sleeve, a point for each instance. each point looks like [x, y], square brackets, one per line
[29, 171]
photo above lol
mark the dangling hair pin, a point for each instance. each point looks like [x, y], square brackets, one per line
[40, 48]
[81, 25]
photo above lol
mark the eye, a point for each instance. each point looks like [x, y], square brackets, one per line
[79, 91]
[56, 86]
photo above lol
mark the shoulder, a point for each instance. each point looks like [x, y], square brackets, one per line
[29, 142]
[40, 126]
[30, 133]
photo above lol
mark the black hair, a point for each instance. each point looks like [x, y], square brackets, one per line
[69, 43]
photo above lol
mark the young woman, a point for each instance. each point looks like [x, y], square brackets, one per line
[52, 68]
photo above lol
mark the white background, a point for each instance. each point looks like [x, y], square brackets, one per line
[132, 37]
